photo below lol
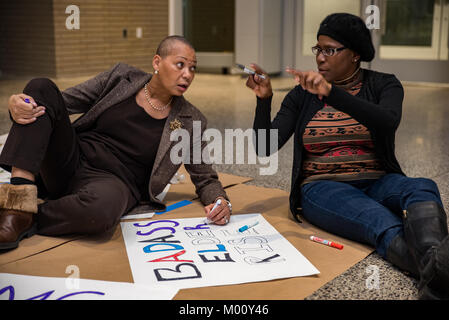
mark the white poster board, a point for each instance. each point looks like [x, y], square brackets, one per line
[21, 287]
[187, 253]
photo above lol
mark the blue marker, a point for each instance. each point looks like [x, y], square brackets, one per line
[246, 227]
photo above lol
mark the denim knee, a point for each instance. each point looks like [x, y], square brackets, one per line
[426, 184]
[421, 189]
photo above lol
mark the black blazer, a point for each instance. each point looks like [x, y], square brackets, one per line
[378, 106]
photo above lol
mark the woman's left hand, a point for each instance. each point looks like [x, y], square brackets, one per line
[221, 214]
[311, 81]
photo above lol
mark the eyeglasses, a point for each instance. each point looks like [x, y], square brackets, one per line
[328, 52]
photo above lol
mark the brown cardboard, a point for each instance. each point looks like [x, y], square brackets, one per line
[32, 246]
[105, 258]
[99, 258]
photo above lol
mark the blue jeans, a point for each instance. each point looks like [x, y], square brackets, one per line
[366, 211]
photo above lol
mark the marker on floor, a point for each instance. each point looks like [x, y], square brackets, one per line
[327, 242]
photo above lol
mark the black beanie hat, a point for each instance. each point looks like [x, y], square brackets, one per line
[350, 31]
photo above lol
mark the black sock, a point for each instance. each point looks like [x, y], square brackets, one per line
[19, 181]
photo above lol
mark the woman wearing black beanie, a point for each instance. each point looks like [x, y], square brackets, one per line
[346, 178]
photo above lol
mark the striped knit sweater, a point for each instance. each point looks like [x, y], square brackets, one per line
[339, 148]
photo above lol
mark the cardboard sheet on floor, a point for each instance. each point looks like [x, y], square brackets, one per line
[31, 246]
[96, 257]
[273, 203]
[105, 258]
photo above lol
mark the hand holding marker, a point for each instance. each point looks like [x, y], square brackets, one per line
[249, 71]
[214, 207]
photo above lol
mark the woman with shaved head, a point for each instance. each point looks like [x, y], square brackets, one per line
[116, 155]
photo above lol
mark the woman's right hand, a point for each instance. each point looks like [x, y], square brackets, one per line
[23, 112]
[261, 87]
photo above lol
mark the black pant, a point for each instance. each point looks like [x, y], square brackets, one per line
[82, 199]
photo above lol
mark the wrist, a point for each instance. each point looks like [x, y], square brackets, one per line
[265, 92]
[265, 96]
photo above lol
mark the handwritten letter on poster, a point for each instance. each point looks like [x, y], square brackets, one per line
[187, 253]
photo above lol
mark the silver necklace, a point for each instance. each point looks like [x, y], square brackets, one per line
[151, 104]
[348, 78]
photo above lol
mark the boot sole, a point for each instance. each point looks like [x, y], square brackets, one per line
[12, 245]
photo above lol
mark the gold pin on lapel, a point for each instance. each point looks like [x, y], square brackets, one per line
[175, 124]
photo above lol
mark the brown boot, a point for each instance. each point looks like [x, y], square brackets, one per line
[18, 204]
